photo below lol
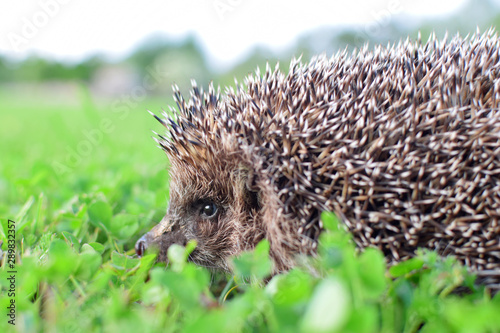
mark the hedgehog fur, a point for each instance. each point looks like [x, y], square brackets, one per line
[401, 142]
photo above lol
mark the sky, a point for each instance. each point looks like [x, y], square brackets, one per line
[70, 30]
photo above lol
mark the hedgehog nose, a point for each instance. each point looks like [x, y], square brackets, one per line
[141, 246]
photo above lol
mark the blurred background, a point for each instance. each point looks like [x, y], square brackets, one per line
[50, 48]
[77, 77]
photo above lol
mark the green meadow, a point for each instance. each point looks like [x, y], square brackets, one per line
[81, 180]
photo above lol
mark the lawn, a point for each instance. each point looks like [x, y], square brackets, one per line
[80, 181]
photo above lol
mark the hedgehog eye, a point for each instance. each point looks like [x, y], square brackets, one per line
[209, 210]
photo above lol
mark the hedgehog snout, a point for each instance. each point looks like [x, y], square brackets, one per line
[141, 245]
[152, 237]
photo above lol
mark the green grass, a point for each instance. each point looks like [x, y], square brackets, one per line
[83, 182]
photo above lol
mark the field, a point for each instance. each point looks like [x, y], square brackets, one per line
[80, 181]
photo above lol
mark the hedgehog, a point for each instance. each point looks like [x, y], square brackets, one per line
[401, 142]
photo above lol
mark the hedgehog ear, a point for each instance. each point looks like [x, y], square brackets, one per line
[253, 190]
[248, 178]
[251, 182]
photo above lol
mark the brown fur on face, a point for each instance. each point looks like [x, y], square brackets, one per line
[237, 224]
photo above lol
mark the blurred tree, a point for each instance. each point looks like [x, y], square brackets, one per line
[181, 60]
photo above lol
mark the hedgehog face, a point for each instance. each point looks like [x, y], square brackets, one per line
[211, 205]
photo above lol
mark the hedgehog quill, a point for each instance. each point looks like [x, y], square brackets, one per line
[402, 143]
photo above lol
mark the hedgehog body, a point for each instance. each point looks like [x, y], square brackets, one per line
[402, 143]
